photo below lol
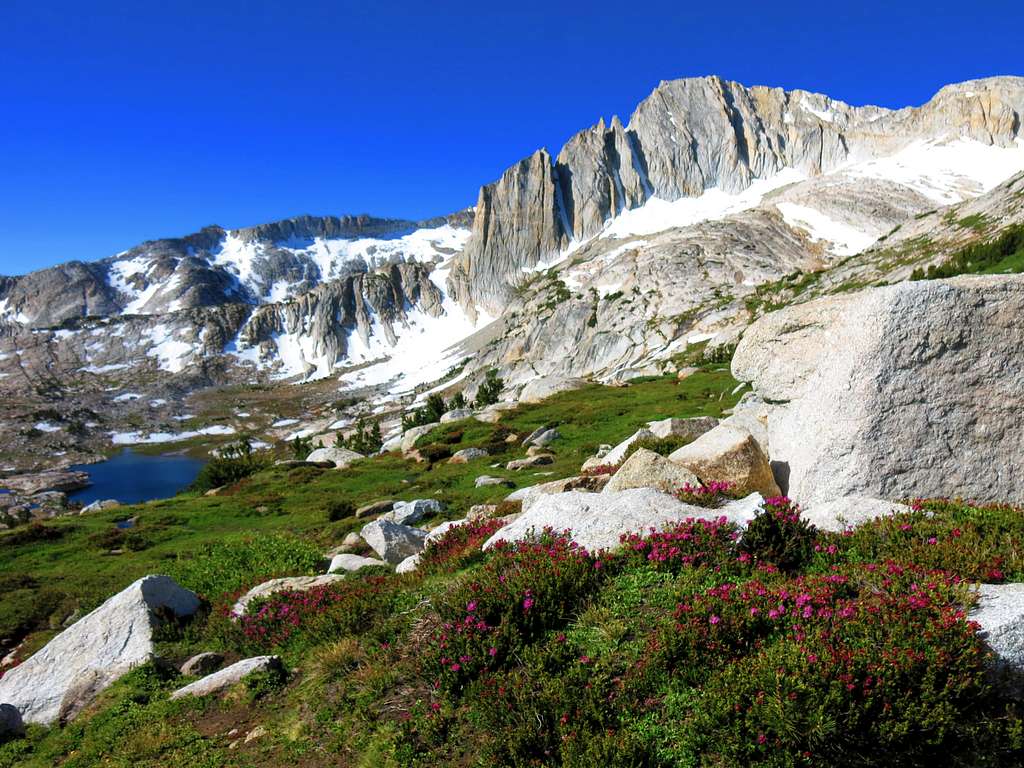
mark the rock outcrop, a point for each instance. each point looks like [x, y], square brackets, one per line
[598, 520]
[228, 677]
[692, 135]
[68, 672]
[285, 584]
[729, 454]
[393, 542]
[647, 469]
[923, 401]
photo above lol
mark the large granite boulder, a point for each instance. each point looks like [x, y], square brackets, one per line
[393, 542]
[467, 455]
[339, 457]
[456, 414]
[598, 520]
[1000, 616]
[906, 390]
[849, 512]
[229, 676]
[729, 454]
[410, 436]
[68, 672]
[647, 469]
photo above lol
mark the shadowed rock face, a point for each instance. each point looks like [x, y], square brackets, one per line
[692, 135]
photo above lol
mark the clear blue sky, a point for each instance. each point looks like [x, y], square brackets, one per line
[121, 122]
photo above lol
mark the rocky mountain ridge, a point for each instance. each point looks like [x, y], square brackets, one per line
[712, 204]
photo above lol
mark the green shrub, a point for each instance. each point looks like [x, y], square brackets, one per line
[489, 391]
[339, 509]
[779, 536]
[226, 568]
[235, 462]
[435, 452]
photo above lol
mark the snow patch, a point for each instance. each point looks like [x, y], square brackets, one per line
[845, 240]
[138, 438]
[946, 172]
[657, 215]
[45, 426]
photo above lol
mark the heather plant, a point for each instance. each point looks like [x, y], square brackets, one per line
[458, 547]
[690, 544]
[983, 543]
[287, 621]
[523, 590]
[823, 671]
[711, 494]
[778, 535]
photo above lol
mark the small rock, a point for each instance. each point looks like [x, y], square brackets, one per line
[409, 512]
[255, 733]
[486, 480]
[457, 414]
[685, 373]
[616, 455]
[10, 721]
[99, 506]
[408, 565]
[466, 455]
[352, 563]
[228, 677]
[546, 437]
[531, 461]
[534, 435]
[410, 436]
[536, 450]
[202, 664]
[441, 529]
[393, 542]
[647, 469]
[481, 512]
[340, 457]
[286, 584]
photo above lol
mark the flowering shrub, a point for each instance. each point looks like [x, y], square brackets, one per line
[458, 547]
[694, 542]
[880, 660]
[315, 615]
[778, 535]
[711, 494]
[524, 589]
[981, 543]
[601, 469]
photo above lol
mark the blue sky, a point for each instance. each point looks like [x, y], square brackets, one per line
[121, 122]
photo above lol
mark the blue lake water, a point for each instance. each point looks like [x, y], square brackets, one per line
[133, 477]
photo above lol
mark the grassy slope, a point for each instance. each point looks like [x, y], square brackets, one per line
[75, 571]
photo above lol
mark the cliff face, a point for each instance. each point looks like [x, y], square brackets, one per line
[692, 135]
